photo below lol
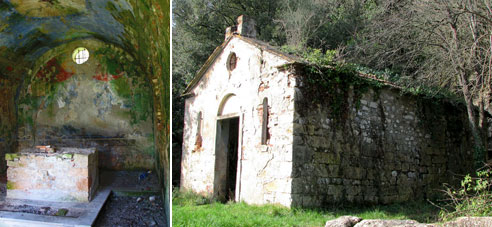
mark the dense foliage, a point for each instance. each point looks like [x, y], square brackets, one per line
[473, 198]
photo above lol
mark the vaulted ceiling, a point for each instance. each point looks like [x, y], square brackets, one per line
[32, 32]
[29, 28]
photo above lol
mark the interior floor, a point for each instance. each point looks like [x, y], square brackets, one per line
[129, 180]
[124, 210]
[134, 201]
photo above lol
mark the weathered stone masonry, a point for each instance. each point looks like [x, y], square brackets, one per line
[258, 165]
[384, 147]
[390, 148]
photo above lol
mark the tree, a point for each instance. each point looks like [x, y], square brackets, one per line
[323, 24]
[436, 42]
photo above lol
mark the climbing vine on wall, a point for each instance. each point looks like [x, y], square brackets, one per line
[326, 81]
[330, 85]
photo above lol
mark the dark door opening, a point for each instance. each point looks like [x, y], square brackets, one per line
[226, 152]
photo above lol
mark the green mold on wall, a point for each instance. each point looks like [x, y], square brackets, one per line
[11, 156]
[127, 81]
[121, 87]
[10, 185]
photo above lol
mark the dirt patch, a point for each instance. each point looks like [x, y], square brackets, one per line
[131, 211]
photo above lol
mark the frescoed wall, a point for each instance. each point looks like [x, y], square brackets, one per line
[104, 103]
[147, 36]
[46, 87]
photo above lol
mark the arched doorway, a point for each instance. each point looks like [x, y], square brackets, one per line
[226, 149]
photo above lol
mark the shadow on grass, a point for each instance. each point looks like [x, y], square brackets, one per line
[421, 211]
[190, 209]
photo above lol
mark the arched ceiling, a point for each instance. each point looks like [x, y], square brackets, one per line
[29, 28]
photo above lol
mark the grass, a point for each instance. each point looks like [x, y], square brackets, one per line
[194, 210]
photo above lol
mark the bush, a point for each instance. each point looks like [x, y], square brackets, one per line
[473, 198]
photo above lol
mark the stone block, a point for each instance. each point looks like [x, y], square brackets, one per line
[54, 177]
[78, 172]
[405, 167]
[83, 184]
[353, 190]
[320, 170]
[327, 158]
[81, 160]
[12, 163]
[336, 191]
[438, 159]
[67, 156]
[11, 156]
[333, 170]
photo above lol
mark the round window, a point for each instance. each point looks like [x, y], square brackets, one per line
[80, 55]
[231, 61]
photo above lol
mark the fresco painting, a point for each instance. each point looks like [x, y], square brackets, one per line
[66, 103]
[118, 101]
[48, 8]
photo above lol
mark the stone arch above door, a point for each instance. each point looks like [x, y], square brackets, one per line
[229, 106]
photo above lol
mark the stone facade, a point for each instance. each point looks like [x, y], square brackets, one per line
[387, 147]
[70, 174]
[241, 91]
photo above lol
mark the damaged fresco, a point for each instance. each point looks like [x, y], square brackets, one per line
[147, 36]
[128, 78]
[104, 102]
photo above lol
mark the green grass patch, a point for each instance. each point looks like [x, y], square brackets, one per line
[193, 210]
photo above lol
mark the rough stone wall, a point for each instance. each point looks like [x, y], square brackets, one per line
[387, 148]
[7, 120]
[71, 174]
[263, 170]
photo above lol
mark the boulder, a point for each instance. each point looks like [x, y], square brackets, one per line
[385, 223]
[343, 221]
[469, 222]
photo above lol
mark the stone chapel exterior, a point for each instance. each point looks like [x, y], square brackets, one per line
[247, 136]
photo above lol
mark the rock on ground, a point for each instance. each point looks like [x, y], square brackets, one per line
[470, 222]
[384, 223]
[351, 221]
[343, 221]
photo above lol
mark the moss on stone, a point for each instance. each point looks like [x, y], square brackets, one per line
[11, 156]
[67, 156]
[61, 212]
[10, 185]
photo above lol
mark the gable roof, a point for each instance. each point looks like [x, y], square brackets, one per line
[367, 76]
[292, 61]
[218, 51]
